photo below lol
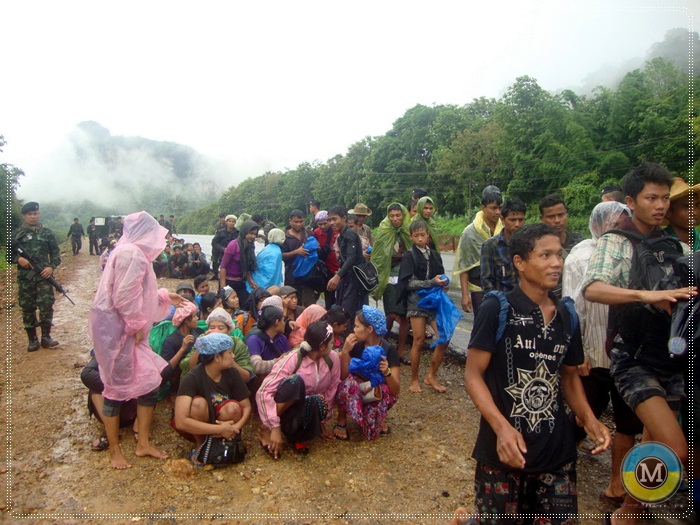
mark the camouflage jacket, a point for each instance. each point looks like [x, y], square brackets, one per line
[39, 242]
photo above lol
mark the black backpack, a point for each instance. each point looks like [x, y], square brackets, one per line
[642, 329]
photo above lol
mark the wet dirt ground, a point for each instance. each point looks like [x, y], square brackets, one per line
[420, 473]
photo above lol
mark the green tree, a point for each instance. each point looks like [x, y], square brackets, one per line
[9, 182]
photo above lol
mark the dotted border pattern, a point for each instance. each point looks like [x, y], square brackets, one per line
[8, 376]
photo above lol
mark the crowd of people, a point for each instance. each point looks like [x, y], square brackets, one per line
[288, 335]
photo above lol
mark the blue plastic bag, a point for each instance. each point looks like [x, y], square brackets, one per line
[303, 265]
[368, 366]
[447, 315]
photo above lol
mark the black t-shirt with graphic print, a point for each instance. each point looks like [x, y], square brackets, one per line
[523, 377]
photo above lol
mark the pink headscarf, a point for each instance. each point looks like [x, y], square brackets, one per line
[128, 300]
[311, 314]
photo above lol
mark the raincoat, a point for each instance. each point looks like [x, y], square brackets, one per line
[432, 224]
[269, 272]
[469, 247]
[385, 238]
[128, 300]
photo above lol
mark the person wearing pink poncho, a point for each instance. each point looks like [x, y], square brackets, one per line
[126, 305]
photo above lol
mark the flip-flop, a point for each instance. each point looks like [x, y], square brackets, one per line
[341, 427]
[385, 432]
[301, 448]
[102, 444]
[615, 501]
[405, 360]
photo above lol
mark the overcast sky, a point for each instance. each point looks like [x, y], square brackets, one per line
[267, 85]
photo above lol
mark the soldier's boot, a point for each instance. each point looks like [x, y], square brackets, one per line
[46, 340]
[33, 345]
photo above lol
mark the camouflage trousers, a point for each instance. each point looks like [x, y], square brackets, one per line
[35, 293]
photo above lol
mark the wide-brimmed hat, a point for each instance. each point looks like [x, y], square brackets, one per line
[680, 188]
[360, 209]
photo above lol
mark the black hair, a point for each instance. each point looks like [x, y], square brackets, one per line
[513, 205]
[551, 200]
[417, 193]
[222, 215]
[418, 225]
[205, 359]
[257, 217]
[411, 204]
[76, 219]
[269, 316]
[352, 217]
[633, 183]
[339, 210]
[296, 214]
[207, 303]
[254, 298]
[523, 241]
[199, 280]
[360, 316]
[314, 202]
[316, 334]
[394, 207]
[196, 244]
[336, 315]
[491, 197]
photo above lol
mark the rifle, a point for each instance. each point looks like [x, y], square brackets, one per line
[37, 268]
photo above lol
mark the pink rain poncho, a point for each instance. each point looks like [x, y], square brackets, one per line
[128, 300]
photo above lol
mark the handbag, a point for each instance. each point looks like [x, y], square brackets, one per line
[318, 277]
[221, 452]
[367, 275]
[369, 394]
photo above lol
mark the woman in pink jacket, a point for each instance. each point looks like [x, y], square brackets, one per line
[126, 305]
[297, 396]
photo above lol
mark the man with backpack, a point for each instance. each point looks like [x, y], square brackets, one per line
[521, 366]
[631, 270]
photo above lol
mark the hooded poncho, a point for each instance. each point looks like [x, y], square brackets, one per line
[128, 300]
[385, 239]
[432, 224]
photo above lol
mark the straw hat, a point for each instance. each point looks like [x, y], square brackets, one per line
[360, 209]
[680, 188]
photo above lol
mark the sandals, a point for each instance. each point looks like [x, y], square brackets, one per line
[102, 444]
[386, 431]
[193, 458]
[405, 360]
[344, 429]
[301, 448]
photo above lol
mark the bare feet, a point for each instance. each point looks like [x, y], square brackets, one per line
[117, 459]
[150, 450]
[415, 387]
[461, 516]
[431, 381]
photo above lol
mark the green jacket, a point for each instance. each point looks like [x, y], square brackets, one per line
[38, 242]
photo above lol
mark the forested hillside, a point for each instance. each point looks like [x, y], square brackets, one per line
[528, 142]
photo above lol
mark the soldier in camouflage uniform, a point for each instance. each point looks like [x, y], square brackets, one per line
[76, 234]
[34, 290]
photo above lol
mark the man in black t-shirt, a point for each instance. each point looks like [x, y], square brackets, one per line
[525, 450]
